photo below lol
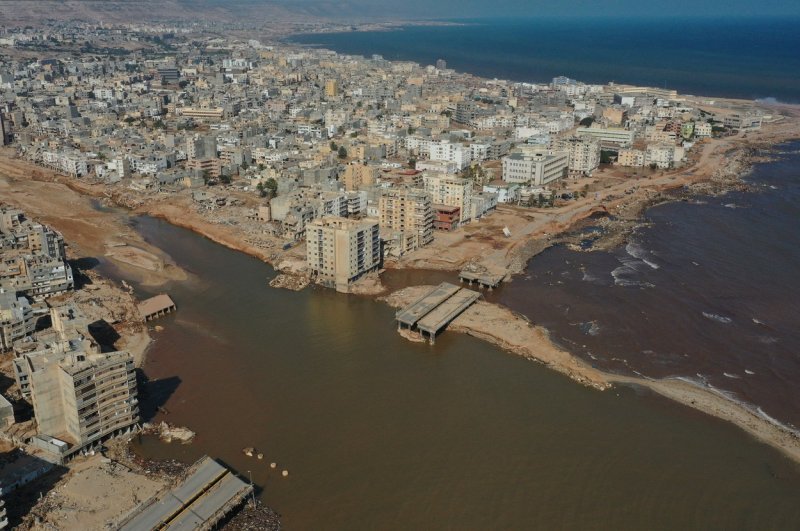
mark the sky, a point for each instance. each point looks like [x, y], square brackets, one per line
[499, 8]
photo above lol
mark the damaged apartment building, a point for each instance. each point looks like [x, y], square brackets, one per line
[80, 395]
[32, 257]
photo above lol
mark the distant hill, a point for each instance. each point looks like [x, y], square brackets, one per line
[16, 12]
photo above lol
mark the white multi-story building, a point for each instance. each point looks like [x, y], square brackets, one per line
[663, 155]
[702, 129]
[340, 250]
[535, 167]
[610, 135]
[443, 150]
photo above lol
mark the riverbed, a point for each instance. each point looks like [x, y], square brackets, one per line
[377, 432]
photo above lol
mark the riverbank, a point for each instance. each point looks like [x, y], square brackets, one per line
[514, 333]
[91, 233]
[717, 164]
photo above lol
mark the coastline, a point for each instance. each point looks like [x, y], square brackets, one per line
[514, 333]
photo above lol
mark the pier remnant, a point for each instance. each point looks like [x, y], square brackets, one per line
[484, 280]
[436, 309]
[208, 492]
[156, 307]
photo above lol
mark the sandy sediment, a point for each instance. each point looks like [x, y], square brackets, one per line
[503, 327]
[514, 333]
[89, 232]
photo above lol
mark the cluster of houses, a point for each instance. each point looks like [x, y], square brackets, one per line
[315, 134]
[80, 395]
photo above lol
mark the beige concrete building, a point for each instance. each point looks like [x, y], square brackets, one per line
[410, 212]
[450, 191]
[340, 250]
[80, 398]
[630, 158]
[357, 175]
[331, 88]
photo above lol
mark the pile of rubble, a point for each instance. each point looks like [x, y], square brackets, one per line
[168, 433]
[255, 518]
[289, 281]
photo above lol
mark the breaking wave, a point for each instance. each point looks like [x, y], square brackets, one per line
[718, 318]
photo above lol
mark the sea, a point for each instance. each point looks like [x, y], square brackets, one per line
[749, 58]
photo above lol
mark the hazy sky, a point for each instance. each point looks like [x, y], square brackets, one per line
[498, 8]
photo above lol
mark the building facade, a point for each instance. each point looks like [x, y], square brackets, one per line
[410, 212]
[450, 191]
[340, 250]
[538, 168]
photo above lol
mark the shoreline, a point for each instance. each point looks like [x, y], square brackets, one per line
[514, 333]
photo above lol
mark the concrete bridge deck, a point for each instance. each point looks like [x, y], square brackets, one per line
[484, 280]
[425, 304]
[207, 493]
[447, 311]
[436, 309]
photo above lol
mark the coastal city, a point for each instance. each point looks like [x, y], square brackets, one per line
[331, 168]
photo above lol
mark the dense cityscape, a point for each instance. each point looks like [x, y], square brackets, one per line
[330, 167]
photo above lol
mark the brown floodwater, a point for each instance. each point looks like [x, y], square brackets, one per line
[380, 433]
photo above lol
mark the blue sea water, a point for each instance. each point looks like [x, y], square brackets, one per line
[741, 58]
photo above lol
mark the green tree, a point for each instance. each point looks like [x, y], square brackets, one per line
[334, 147]
[586, 122]
[225, 179]
[342, 153]
[271, 187]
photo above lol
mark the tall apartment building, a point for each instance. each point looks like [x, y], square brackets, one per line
[584, 153]
[331, 88]
[410, 212]
[663, 155]
[79, 395]
[20, 233]
[450, 191]
[357, 175]
[36, 276]
[456, 153]
[80, 398]
[340, 250]
[536, 167]
[201, 147]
